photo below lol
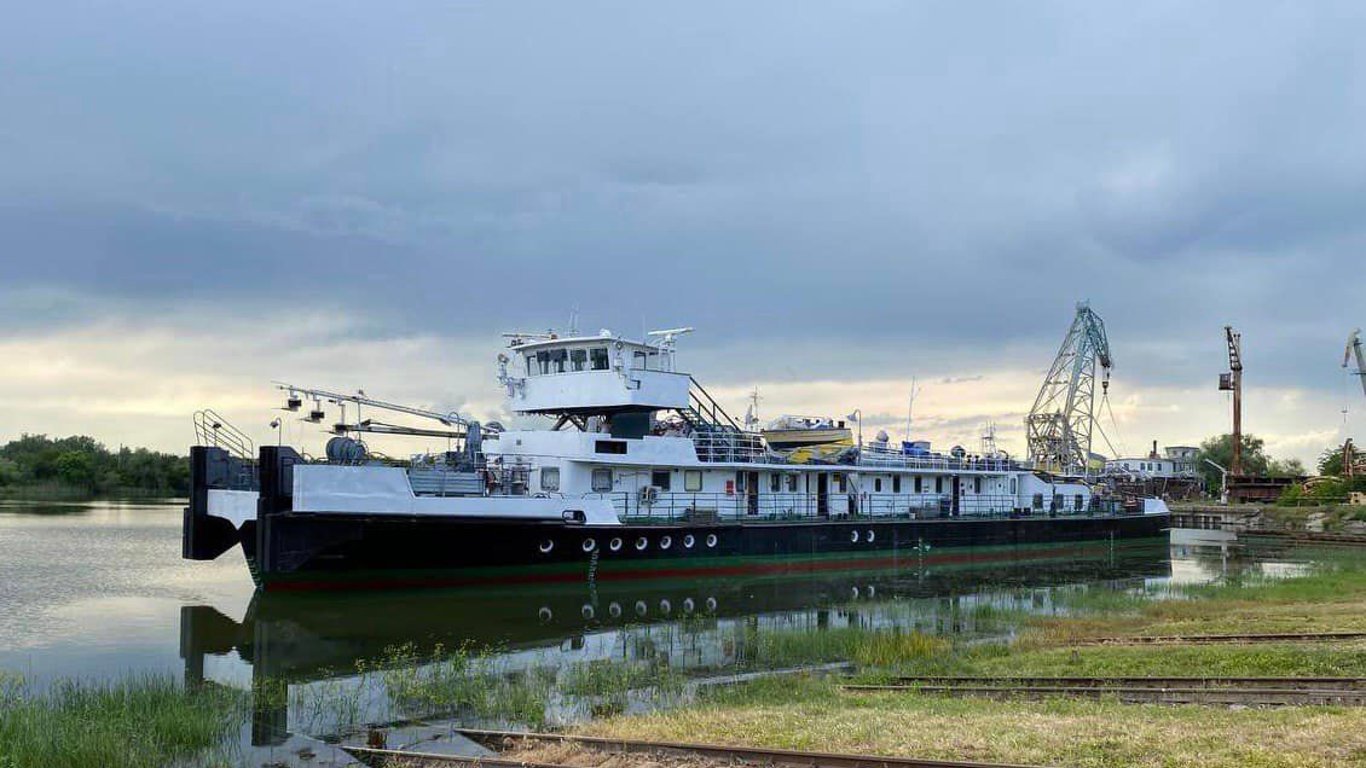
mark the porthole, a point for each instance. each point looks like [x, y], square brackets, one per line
[642, 543]
[666, 542]
[711, 604]
[711, 541]
[688, 605]
[665, 607]
[614, 544]
[614, 610]
[641, 608]
[688, 541]
[545, 613]
[854, 591]
[587, 611]
[872, 535]
[853, 536]
[589, 545]
[546, 546]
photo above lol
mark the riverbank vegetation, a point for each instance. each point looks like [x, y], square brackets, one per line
[40, 467]
[138, 722]
[815, 713]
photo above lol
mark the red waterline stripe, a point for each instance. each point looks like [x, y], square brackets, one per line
[795, 567]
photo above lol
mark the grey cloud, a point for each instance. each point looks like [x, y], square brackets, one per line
[880, 183]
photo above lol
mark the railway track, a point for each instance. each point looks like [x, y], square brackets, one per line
[1264, 637]
[1295, 683]
[511, 741]
[1226, 691]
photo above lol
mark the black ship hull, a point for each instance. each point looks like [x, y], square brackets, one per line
[346, 551]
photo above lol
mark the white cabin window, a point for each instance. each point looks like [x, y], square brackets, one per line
[599, 357]
[578, 359]
[692, 480]
[791, 483]
[1078, 502]
[976, 485]
[602, 480]
[896, 483]
[775, 482]
[550, 478]
[877, 485]
[660, 479]
[919, 484]
[1014, 488]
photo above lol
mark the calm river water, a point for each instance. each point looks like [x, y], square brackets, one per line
[99, 590]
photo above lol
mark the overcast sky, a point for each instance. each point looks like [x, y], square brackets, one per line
[197, 199]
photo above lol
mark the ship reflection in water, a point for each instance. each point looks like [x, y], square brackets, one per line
[695, 628]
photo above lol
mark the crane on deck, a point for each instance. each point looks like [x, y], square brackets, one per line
[1059, 427]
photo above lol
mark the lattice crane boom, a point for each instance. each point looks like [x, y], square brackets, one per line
[1354, 347]
[1060, 425]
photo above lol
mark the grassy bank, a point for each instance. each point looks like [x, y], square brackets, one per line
[141, 722]
[816, 714]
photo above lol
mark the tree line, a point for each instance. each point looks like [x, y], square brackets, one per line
[83, 464]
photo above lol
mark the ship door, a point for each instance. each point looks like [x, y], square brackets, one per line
[752, 493]
[822, 494]
[957, 496]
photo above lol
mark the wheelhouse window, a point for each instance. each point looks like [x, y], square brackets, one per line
[692, 480]
[602, 480]
[640, 361]
[550, 478]
[660, 479]
[598, 356]
[578, 359]
[558, 358]
[543, 362]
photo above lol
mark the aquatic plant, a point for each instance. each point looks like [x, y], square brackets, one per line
[146, 721]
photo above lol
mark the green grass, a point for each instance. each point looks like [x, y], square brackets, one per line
[138, 722]
[813, 714]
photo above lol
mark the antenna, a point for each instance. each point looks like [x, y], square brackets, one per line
[910, 408]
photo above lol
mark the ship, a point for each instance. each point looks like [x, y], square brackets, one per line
[628, 470]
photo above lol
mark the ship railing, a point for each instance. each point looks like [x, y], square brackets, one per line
[878, 456]
[701, 508]
[728, 446]
[213, 431]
